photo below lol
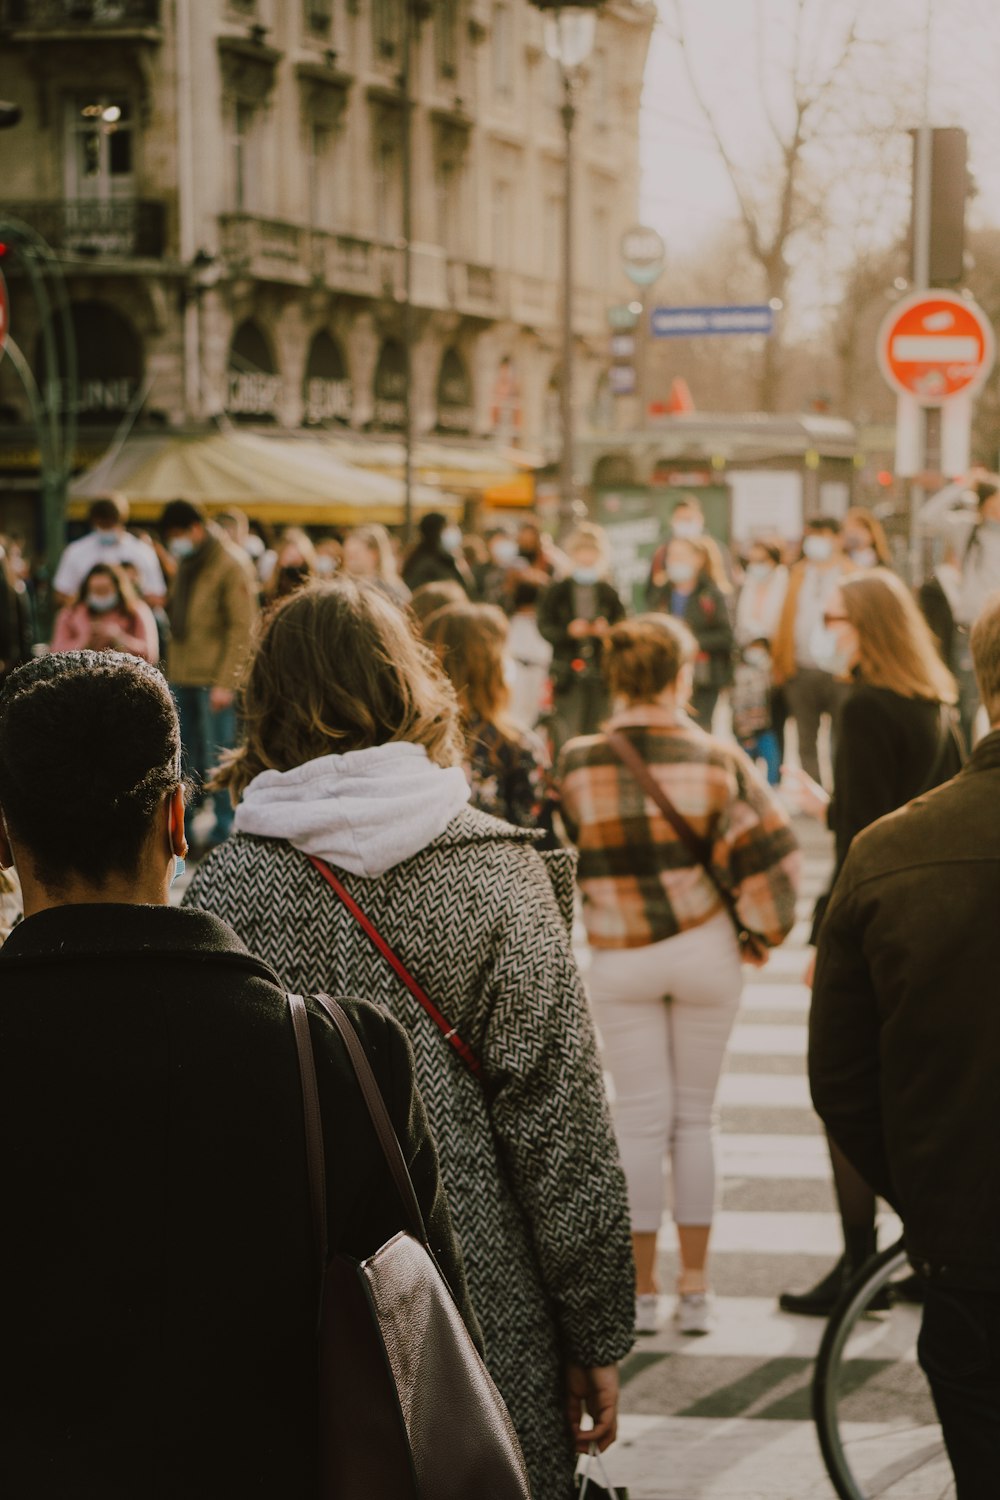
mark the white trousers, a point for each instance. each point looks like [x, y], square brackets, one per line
[665, 1012]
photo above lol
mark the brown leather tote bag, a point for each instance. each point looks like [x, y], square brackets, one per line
[408, 1410]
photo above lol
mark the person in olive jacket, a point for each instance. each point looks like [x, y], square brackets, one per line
[904, 1037]
[159, 1291]
[687, 589]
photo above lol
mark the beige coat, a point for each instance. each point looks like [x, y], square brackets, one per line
[783, 645]
[222, 613]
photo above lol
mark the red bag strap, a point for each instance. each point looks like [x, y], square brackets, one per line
[449, 1032]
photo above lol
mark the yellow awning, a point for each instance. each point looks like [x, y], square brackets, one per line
[517, 492]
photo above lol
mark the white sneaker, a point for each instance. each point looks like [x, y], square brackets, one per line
[693, 1313]
[647, 1313]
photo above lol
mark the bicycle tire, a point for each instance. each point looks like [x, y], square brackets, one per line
[855, 1300]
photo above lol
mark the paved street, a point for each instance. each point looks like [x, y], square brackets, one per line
[727, 1415]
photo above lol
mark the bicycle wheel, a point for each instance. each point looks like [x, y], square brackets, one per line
[875, 1419]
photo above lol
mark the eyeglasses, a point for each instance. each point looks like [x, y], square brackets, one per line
[829, 619]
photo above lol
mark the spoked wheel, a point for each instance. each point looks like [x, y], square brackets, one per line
[876, 1422]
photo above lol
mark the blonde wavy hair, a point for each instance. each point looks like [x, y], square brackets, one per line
[471, 640]
[896, 649]
[337, 667]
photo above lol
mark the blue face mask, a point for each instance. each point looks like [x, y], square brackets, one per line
[101, 604]
[180, 865]
[181, 547]
[107, 538]
[586, 575]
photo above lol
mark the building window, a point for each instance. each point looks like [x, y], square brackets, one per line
[322, 176]
[448, 182]
[446, 38]
[387, 28]
[100, 147]
[245, 158]
[502, 210]
[388, 191]
[318, 17]
[503, 50]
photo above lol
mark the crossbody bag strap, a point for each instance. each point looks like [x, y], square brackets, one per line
[630, 757]
[449, 1032]
[315, 1153]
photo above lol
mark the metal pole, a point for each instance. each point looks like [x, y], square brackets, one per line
[407, 166]
[566, 491]
[921, 279]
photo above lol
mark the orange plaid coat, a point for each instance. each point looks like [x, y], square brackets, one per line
[638, 881]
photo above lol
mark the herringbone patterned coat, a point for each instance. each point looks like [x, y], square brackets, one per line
[528, 1156]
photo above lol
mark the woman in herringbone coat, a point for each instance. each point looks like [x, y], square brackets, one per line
[352, 759]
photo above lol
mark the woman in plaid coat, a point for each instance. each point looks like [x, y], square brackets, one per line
[666, 974]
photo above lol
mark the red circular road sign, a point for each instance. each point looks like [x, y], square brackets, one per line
[934, 345]
[4, 314]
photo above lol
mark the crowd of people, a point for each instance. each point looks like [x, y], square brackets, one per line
[401, 775]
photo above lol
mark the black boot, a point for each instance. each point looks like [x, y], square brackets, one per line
[819, 1301]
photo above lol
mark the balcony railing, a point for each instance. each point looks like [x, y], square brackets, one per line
[129, 227]
[83, 16]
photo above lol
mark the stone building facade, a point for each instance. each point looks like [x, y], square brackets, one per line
[222, 181]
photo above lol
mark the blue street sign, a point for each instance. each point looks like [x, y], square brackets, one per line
[693, 322]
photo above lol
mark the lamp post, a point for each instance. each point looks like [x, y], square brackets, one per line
[569, 41]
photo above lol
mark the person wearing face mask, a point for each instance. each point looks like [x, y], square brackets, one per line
[898, 737]
[212, 608]
[495, 578]
[687, 524]
[329, 554]
[109, 542]
[294, 566]
[436, 556]
[865, 541]
[690, 592]
[573, 616]
[762, 597]
[666, 972]
[803, 650]
[108, 615]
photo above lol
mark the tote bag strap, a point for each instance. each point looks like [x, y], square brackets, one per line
[450, 1033]
[377, 1111]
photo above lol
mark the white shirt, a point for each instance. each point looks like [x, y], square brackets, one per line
[79, 557]
[760, 604]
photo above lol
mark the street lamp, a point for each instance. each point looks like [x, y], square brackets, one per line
[569, 41]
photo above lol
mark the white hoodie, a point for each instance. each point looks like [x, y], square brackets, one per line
[364, 811]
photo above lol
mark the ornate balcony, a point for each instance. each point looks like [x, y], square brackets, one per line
[129, 228]
[473, 289]
[82, 18]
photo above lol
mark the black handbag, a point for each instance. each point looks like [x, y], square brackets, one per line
[408, 1410]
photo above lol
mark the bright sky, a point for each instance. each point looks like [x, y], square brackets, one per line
[686, 194]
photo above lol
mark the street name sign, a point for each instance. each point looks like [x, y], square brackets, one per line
[695, 322]
[934, 346]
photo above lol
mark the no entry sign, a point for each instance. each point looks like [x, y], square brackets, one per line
[4, 314]
[934, 346]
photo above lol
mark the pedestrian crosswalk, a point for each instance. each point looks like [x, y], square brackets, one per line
[728, 1415]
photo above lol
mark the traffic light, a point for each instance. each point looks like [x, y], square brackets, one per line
[949, 190]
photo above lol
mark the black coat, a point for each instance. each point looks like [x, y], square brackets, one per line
[158, 1289]
[888, 750]
[904, 1034]
[434, 565]
[557, 610]
[706, 615]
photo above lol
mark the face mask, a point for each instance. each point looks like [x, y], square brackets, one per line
[451, 539]
[756, 656]
[181, 547]
[292, 578]
[586, 575]
[818, 548]
[107, 538]
[758, 570]
[680, 572]
[180, 865]
[865, 557]
[504, 552]
[326, 566]
[254, 547]
[687, 530]
[100, 604]
[826, 653]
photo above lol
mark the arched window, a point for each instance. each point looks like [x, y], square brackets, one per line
[110, 364]
[326, 388]
[454, 394]
[390, 387]
[254, 386]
